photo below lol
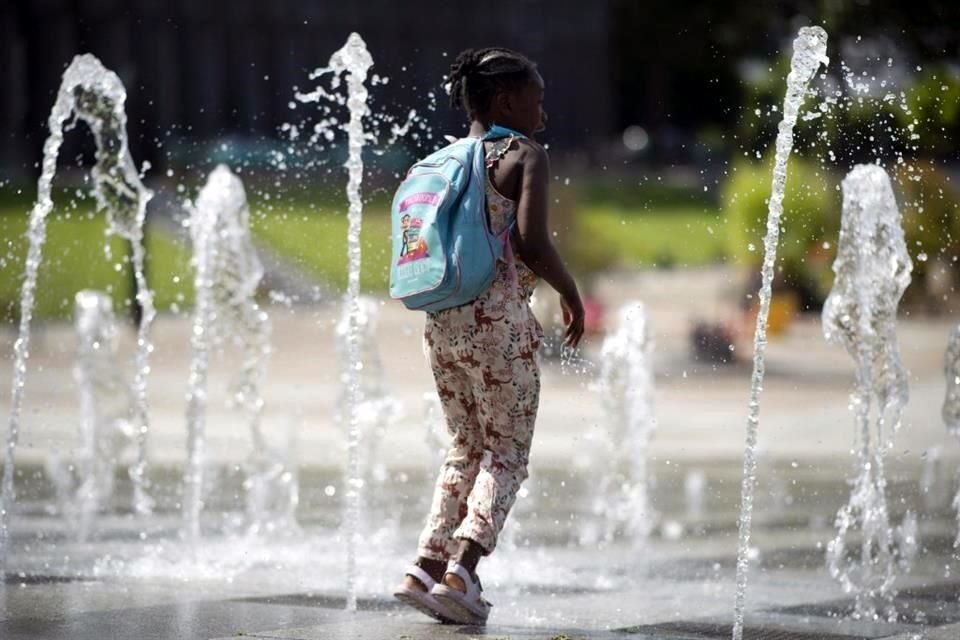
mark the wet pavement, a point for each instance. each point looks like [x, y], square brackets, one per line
[553, 575]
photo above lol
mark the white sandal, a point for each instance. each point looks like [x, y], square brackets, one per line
[465, 608]
[423, 601]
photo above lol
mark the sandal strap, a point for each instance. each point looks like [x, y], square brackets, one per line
[421, 575]
[472, 584]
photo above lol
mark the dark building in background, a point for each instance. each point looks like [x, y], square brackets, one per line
[210, 68]
[199, 70]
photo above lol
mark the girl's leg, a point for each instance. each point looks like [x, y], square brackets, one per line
[459, 471]
[507, 389]
[456, 477]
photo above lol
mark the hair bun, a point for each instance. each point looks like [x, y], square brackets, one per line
[466, 63]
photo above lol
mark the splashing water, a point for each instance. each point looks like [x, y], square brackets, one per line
[228, 273]
[120, 192]
[809, 52]
[932, 484]
[951, 366]
[95, 95]
[313, 139]
[101, 385]
[626, 390]
[951, 403]
[376, 408]
[872, 271]
[354, 61]
[435, 436]
[694, 484]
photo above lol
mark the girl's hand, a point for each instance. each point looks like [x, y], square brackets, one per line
[573, 320]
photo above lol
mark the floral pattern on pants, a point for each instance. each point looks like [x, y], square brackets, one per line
[484, 361]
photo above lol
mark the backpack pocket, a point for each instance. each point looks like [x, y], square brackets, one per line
[418, 258]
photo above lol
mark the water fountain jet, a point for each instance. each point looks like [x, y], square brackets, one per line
[228, 274]
[376, 408]
[872, 271]
[84, 483]
[951, 404]
[625, 387]
[353, 61]
[809, 52]
[94, 94]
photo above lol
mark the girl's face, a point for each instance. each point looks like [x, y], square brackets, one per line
[524, 108]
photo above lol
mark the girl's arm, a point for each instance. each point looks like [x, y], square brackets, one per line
[533, 239]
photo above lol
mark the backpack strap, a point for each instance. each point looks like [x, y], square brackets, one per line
[500, 149]
[496, 131]
[503, 138]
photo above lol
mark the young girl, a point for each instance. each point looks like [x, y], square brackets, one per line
[483, 354]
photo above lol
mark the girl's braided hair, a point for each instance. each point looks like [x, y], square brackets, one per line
[477, 74]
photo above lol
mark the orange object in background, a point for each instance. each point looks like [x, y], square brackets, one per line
[784, 307]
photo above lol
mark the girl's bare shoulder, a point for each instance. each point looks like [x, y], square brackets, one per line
[524, 152]
[522, 156]
[530, 149]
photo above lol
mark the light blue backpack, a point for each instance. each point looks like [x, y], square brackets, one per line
[444, 254]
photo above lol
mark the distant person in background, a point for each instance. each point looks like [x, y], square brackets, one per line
[484, 354]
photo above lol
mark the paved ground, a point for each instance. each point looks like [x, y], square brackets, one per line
[136, 578]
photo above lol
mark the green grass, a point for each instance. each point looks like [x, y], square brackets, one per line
[612, 227]
[316, 240]
[73, 258]
[642, 195]
[668, 236]
[606, 234]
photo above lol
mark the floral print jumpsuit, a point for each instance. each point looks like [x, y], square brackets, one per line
[484, 361]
